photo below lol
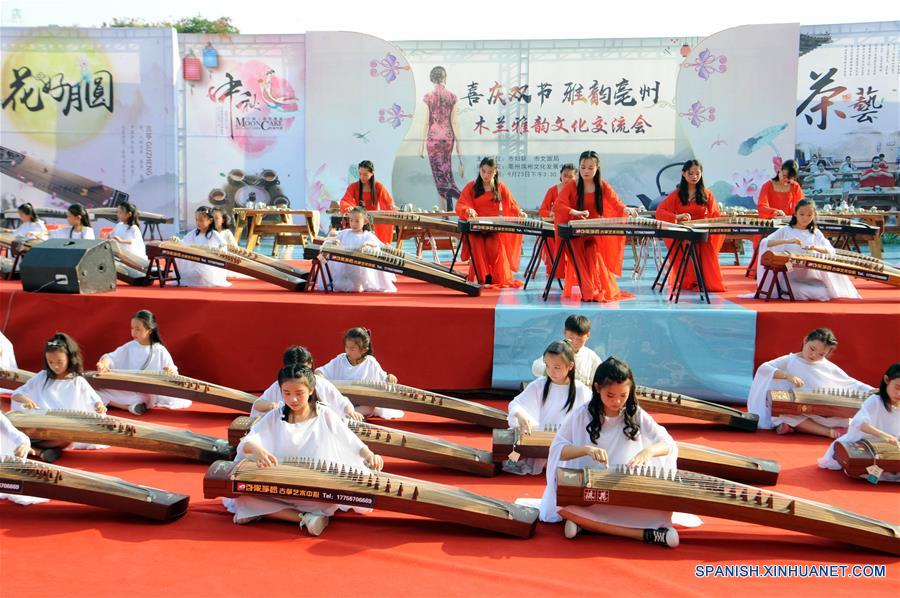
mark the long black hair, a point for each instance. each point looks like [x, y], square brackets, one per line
[146, 317]
[362, 337]
[892, 373]
[612, 371]
[303, 374]
[802, 204]
[226, 219]
[76, 209]
[700, 190]
[212, 223]
[479, 184]
[367, 164]
[598, 191]
[791, 167]
[63, 343]
[132, 211]
[28, 209]
[824, 336]
[564, 350]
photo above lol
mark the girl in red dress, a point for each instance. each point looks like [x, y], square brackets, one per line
[693, 201]
[495, 255]
[566, 174]
[779, 196]
[371, 195]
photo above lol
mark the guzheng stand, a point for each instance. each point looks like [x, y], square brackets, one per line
[465, 230]
[774, 285]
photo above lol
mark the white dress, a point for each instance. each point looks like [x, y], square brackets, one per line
[815, 374]
[7, 355]
[620, 450]
[10, 440]
[806, 283]
[326, 393]
[356, 279]
[324, 436]
[586, 362]
[202, 275]
[369, 370]
[130, 233]
[873, 413]
[228, 237]
[135, 356]
[66, 232]
[549, 413]
[31, 230]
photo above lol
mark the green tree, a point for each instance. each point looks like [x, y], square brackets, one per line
[197, 24]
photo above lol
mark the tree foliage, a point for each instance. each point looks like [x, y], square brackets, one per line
[197, 24]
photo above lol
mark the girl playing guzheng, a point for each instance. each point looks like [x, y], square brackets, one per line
[356, 279]
[546, 401]
[692, 201]
[31, 227]
[14, 443]
[358, 362]
[780, 196]
[802, 235]
[7, 355]
[79, 224]
[566, 174]
[878, 419]
[495, 256]
[222, 223]
[205, 235]
[369, 194]
[301, 428]
[144, 352]
[127, 231]
[598, 259]
[809, 369]
[611, 429]
[326, 392]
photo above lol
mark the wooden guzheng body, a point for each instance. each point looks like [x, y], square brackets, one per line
[43, 480]
[687, 492]
[629, 227]
[228, 259]
[662, 401]
[824, 403]
[15, 247]
[506, 224]
[856, 457]
[398, 396]
[83, 426]
[692, 457]
[393, 261]
[841, 227]
[736, 225]
[333, 483]
[13, 379]
[112, 214]
[161, 383]
[390, 442]
[842, 262]
[130, 268]
[413, 220]
[275, 264]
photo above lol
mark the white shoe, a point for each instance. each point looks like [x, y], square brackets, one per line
[663, 536]
[571, 529]
[315, 524]
[138, 408]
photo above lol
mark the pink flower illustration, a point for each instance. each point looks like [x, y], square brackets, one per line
[748, 183]
[707, 63]
[389, 66]
[699, 114]
[393, 115]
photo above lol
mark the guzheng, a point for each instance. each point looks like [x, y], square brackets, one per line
[507, 224]
[413, 220]
[736, 225]
[334, 483]
[390, 442]
[821, 402]
[408, 398]
[224, 258]
[692, 457]
[856, 457]
[171, 385]
[663, 401]
[13, 379]
[42, 213]
[848, 263]
[394, 261]
[842, 226]
[83, 426]
[629, 227]
[44, 480]
[687, 492]
[131, 268]
[112, 214]
[271, 262]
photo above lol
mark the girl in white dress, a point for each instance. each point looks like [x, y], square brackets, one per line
[326, 392]
[878, 419]
[802, 235]
[576, 330]
[546, 401]
[223, 226]
[79, 224]
[358, 362]
[613, 430]
[14, 443]
[144, 352]
[7, 355]
[127, 232]
[810, 369]
[205, 235]
[59, 385]
[356, 279]
[31, 227]
[299, 429]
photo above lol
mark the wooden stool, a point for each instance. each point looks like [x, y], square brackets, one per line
[774, 285]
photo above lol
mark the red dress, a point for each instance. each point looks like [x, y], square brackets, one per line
[382, 201]
[771, 200]
[494, 254]
[546, 211]
[597, 280]
[708, 250]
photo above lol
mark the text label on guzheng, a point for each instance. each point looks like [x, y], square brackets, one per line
[304, 493]
[596, 495]
[10, 486]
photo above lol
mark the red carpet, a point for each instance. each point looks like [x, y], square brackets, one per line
[59, 549]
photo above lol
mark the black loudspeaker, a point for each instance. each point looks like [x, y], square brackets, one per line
[69, 266]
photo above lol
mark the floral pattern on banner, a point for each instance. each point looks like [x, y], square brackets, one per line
[707, 64]
[748, 184]
[699, 114]
[390, 68]
[393, 115]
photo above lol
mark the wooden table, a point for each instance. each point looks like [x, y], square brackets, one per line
[252, 220]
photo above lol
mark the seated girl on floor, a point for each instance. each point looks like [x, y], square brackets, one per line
[14, 443]
[356, 279]
[810, 369]
[79, 224]
[205, 235]
[127, 231]
[32, 227]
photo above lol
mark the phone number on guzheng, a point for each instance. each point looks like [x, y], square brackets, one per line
[837, 571]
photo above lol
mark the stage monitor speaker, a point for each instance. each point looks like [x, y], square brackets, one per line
[69, 266]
